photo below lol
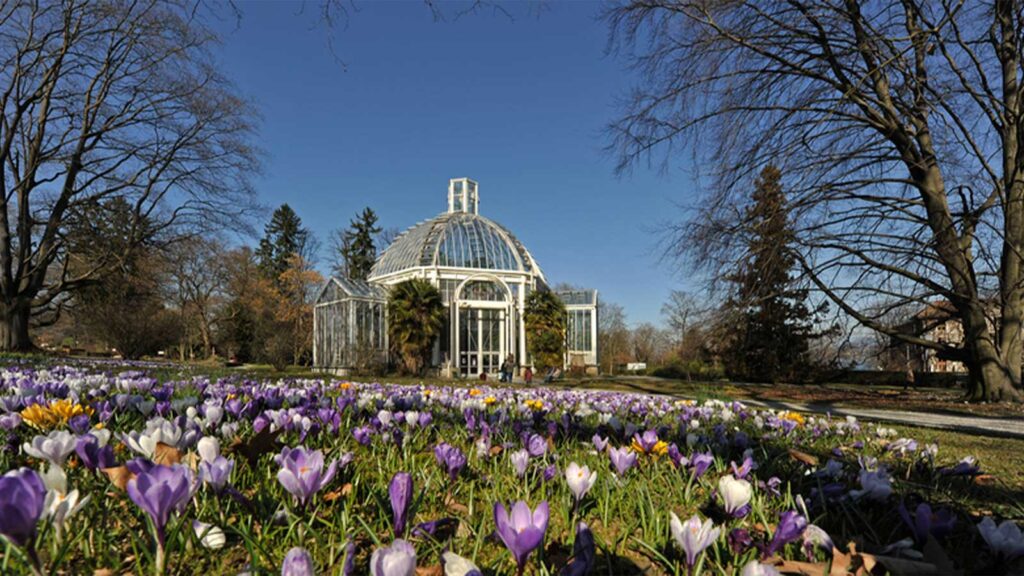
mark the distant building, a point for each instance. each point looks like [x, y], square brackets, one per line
[484, 274]
[936, 322]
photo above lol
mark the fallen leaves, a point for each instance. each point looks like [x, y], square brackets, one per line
[804, 457]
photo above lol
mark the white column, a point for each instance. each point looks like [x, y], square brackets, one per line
[521, 323]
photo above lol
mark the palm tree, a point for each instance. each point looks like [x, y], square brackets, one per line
[545, 328]
[415, 317]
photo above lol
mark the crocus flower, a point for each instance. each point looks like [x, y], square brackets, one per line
[400, 493]
[649, 444]
[549, 473]
[925, 522]
[297, 562]
[755, 568]
[455, 565]
[159, 491]
[622, 459]
[210, 536]
[22, 497]
[743, 469]
[536, 445]
[216, 473]
[584, 553]
[55, 447]
[700, 462]
[693, 536]
[580, 479]
[875, 485]
[791, 526]
[399, 559]
[94, 453]
[739, 541]
[735, 494]
[600, 444]
[520, 460]
[60, 504]
[678, 460]
[522, 531]
[815, 537]
[362, 435]
[302, 472]
[1005, 539]
[208, 448]
[450, 458]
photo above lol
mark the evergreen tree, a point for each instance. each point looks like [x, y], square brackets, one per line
[283, 237]
[545, 329]
[357, 249]
[771, 342]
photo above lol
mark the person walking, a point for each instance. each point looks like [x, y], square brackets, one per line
[528, 375]
[908, 382]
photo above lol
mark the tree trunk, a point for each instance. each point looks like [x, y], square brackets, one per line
[989, 378]
[14, 323]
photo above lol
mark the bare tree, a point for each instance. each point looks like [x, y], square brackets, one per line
[898, 125]
[100, 100]
[612, 336]
[199, 279]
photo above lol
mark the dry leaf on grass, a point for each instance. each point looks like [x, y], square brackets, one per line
[118, 476]
[803, 457]
[166, 454]
[434, 570]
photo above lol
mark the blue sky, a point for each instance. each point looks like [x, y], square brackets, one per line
[519, 105]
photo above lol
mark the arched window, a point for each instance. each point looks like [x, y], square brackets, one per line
[483, 290]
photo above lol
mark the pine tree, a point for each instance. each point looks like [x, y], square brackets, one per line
[283, 237]
[358, 250]
[771, 343]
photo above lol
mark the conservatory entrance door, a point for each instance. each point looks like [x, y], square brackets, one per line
[481, 340]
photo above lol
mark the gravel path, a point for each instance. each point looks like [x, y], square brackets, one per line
[1006, 427]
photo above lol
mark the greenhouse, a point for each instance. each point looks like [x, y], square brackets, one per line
[484, 274]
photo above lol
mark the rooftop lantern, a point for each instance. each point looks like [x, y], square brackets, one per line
[463, 196]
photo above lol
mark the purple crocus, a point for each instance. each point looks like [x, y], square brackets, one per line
[791, 527]
[399, 559]
[622, 460]
[522, 531]
[647, 441]
[536, 445]
[600, 444]
[22, 494]
[450, 458]
[743, 469]
[362, 435]
[159, 491]
[302, 472]
[520, 460]
[584, 553]
[216, 472]
[693, 536]
[92, 455]
[938, 523]
[297, 562]
[400, 493]
[700, 462]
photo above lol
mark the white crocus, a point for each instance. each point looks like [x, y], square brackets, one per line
[55, 447]
[210, 536]
[59, 504]
[455, 565]
[580, 479]
[208, 448]
[158, 431]
[735, 493]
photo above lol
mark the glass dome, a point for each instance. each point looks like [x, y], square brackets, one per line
[456, 240]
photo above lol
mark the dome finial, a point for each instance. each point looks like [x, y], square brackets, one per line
[463, 196]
